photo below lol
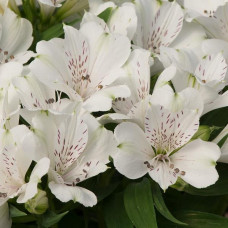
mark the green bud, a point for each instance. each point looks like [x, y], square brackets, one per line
[203, 133]
[38, 204]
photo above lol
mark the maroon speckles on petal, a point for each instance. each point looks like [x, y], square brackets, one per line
[170, 132]
[78, 67]
[162, 33]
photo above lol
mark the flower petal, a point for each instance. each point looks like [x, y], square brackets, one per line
[166, 130]
[5, 220]
[198, 159]
[77, 194]
[133, 151]
[212, 68]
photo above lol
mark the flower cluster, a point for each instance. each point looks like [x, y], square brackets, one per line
[151, 68]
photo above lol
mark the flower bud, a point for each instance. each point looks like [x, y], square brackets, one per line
[38, 204]
[203, 133]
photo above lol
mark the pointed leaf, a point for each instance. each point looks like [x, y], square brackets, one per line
[115, 214]
[197, 219]
[50, 218]
[139, 204]
[160, 204]
[105, 15]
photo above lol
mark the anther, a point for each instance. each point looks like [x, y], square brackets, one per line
[171, 166]
[176, 170]
[3, 195]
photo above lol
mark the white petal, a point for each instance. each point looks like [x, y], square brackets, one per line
[88, 17]
[137, 76]
[77, 57]
[124, 20]
[77, 194]
[98, 6]
[163, 175]
[214, 46]
[49, 66]
[216, 25]
[5, 220]
[134, 150]
[221, 101]
[183, 59]
[112, 118]
[191, 36]
[146, 11]
[165, 77]
[9, 71]
[188, 98]
[101, 143]
[198, 159]
[165, 27]
[205, 8]
[16, 34]
[33, 94]
[102, 100]
[212, 68]
[108, 52]
[30, 189]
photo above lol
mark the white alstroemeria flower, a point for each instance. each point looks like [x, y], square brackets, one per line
[16, 155]
[158, 24]
[223, 136]
[210, 80]
[79, 148]
[16, 38]
[123, 19]
[160, 150]
[5, 220]
[84, 65]
[204, 8]
[208, 76]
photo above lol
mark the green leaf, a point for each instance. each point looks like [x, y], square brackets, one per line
[160, 204]
[139, 204]
[196, 219]
[24, 219]
[54, 31]
[105, 15]
[153, 81]
[29, 171]
[219, 188]
[28, 10]
[15, 212]
[222, 141]
[50, 218]
[115, 214]
[211, 118]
